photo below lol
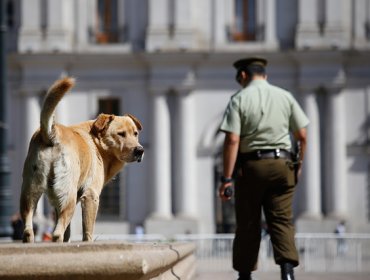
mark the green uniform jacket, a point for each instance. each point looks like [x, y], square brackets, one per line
[263, 115]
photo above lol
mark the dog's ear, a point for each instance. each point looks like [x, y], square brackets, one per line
[136, 121]
[101, 124]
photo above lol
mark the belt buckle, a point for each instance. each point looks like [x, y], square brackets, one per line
[277, 153]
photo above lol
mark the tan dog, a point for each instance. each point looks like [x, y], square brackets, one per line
[72, 164]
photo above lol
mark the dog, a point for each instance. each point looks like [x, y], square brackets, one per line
[71, 164]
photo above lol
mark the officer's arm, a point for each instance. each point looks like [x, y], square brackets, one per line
[301, 136]
[230, 153]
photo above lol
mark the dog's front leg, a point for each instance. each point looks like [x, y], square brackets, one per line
[89, 204]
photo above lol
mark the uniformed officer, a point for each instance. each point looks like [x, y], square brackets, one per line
[258, 123]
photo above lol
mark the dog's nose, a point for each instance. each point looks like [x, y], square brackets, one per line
[138, 153]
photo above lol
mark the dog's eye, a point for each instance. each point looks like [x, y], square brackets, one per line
[136, 133]
[123, 133]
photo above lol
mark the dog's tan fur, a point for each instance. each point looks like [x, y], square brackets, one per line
[72, 164]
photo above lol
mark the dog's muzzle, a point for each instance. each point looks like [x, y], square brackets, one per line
[139, 153]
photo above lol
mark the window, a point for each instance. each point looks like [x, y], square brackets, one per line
[109, 106]
[244, 21]
[111, 194]
[107, 22]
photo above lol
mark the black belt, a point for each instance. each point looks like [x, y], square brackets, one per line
[266, 154]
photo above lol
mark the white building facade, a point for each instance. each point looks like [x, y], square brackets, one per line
[169, 63]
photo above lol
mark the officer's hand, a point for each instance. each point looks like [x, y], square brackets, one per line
[221, 191]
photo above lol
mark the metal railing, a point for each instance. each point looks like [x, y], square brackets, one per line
[330, 252]
[318, 252]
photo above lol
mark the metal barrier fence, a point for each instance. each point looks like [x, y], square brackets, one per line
[318, 252]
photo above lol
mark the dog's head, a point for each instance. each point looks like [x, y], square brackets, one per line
[119, 135]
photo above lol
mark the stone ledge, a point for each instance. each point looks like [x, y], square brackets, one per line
[98, 260]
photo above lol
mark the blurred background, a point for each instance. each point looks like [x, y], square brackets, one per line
[169, 63]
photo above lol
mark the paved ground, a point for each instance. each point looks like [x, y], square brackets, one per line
[276, 276]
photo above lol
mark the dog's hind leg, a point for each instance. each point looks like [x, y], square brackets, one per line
[28, 204]
[67, 233]
[64, 217]
[89, 204]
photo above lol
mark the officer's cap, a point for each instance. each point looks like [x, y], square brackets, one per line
[245, 62]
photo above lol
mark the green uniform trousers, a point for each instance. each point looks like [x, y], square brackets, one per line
[266, 184]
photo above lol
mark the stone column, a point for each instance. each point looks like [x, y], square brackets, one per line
[30, 36]
[158, 24]
[361, 12]
[186, 188]
[182, 13]
[311, 166]
[161, 154]
[308, 34]
[184, 37]
[335, 149]
[60, 25]
[337, 25]
[270, 23]
[82, 26]
[221, 21]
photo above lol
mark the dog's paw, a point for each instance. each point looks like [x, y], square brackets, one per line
[28, 236]
[58, 237]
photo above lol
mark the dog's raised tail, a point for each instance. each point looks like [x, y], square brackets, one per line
[52, 98]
